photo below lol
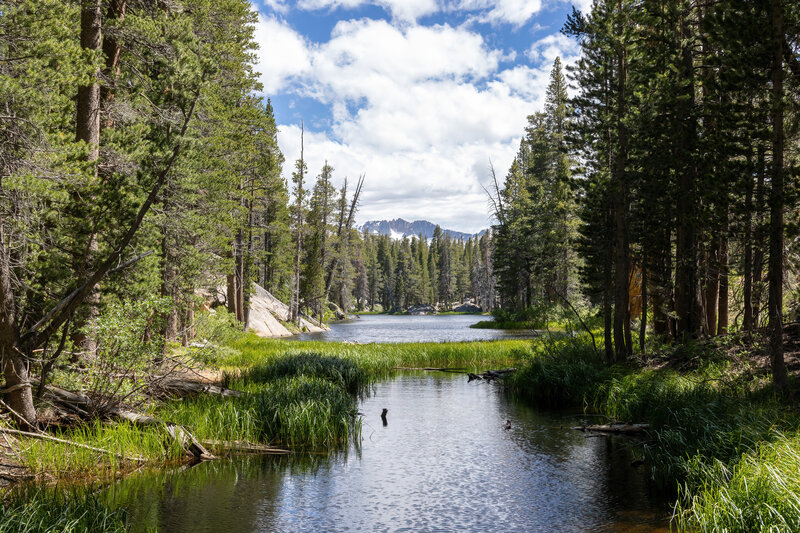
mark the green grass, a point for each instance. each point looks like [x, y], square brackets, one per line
[379, 359]
[301, 412]
[48, 511]
[71, 462]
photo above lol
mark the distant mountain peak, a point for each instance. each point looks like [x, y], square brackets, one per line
[400, 228]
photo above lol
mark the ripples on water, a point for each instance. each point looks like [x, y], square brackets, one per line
[443, 463]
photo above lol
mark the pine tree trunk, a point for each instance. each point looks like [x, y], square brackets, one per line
[760, 234]
[87, 129]
[19, 394]
[775, 274]
[711, 292]
[620, 190]
[643, 316]
[747, 267]
[722, 315]
[687, 301]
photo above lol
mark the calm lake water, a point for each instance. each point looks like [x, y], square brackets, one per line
[444, 462]
[407, 328]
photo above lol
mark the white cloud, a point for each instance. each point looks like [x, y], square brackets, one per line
[552, 46]
[277, 6]
[515, 12]
[282, 54]
[420, 109]
[583, 5]
[406, 10]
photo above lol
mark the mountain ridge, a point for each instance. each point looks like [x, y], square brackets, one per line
[399, 228]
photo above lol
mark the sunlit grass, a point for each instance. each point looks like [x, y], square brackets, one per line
[70, 462]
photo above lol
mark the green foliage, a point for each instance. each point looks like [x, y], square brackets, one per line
[128, 347]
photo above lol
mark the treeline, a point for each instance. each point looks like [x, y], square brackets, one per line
[667, 185]
[138, 164]
[445, 271]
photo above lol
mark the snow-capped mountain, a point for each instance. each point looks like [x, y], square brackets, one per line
[399, 228]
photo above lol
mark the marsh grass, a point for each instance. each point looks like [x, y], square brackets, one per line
[302, 412]
[717, 432]
[49, 511]
[380, 359]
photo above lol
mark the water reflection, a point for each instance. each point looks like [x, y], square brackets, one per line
[445, 462]
[406, 328]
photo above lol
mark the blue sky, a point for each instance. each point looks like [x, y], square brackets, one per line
[418, 95]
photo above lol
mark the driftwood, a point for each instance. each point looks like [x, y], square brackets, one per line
[491, 375]
[624, 428]
[42, 436]
[237, 446]
[178, 433]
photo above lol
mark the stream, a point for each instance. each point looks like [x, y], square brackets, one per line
[444, 462]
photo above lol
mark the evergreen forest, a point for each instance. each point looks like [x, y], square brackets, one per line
[645, 240]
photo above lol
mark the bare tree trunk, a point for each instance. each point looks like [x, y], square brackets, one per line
[608, 282]
[760, 237]
[775, 274]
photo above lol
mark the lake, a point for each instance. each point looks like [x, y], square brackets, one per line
[410, 328]
[444, 462]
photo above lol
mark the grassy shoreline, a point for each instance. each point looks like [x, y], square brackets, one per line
[718, 435]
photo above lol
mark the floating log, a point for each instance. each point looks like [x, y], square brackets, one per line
[491, 375]
[237, 446]
[624, 428]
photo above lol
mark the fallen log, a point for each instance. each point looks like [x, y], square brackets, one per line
[82, 404]
[178, 433]
[42, 436]
[238, 446]
[491, 375]
[617, 427]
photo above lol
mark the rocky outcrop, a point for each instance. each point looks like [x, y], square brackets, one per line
[266, 311]
[337, 311]
[422, 310]
[264, 308]
[467, 307]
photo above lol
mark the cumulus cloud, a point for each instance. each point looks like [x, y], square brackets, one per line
[406, 10]
[552, 46]
[282, 53]
[277, 6]
[420, 109]
[514, 12]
